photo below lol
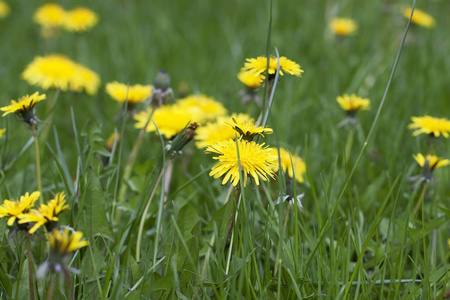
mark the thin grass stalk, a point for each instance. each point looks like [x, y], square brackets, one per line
[38, 162]
[30, 268]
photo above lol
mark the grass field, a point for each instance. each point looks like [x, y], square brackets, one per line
[159, 227]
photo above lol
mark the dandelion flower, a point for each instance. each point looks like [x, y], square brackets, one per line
[247, 129]
[50, 15]
[255, 160]
[258, 66]
[170, 119]
[250, 79]
[430, 163]
[80, 19]
[57, 71]
[202, 108]
[13, 209]
[419, 17]
[353, 103]
[4, 9]
[134, 93]
[24, 107]
[63, 242]
[430, 125]
[343, 26]
[286, 163]
[218, 131]
[46, 214]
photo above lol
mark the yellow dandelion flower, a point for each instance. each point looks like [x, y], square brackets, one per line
[430, 125]
[170, 119]
[343, 26]
[353, 103]
[247, 129]
[286, 163]
[64, 242]
[218, 131]
[85, 79]
[13, 209]
[202, 108]
[46, 214]
[250, 79]
[431, 161]
[80, 19]
[2, 131]
[258, 66]
[419, 17]
[24, 107]
[256, 160]
[4, 9]
[135, 93]
[50, 15]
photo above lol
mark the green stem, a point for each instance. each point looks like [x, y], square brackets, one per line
[349, 144]
[144, 214]
[67, 278]
[286, 217]
[422, 196]
[30, 268]
[38, 163]
[51, 289]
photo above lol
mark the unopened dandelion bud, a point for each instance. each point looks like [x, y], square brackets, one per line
[162, 81]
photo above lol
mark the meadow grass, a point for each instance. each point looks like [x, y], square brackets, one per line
[365, 232]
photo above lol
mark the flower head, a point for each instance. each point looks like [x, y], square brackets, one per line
[134, 93]
[24, 107]
[13, 209]
[255, 160]
[353, 103]
[4, 9]
[343, 26]
[46, 214]
[430, 125]
[291, 164]
[430, 163]
[218, 131]
[63, 242]
[419, 17]
[80, 19]
[170, 119]
[258, 66]
[50, 15]
[201, 108]
[57, 71]
[247, 129]
[250, 79]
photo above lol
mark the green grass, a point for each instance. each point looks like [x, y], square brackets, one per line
[358, 236]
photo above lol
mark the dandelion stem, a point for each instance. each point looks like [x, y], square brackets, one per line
[67, 278]
[144, 214]
[422, 196]
[30, 268]
[51, 289]
[349, 144]
[38, 162]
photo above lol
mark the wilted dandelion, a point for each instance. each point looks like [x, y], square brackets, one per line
[58, 71]
[419, 17]
[14, 209]
[24, 107]
[201, 108]
[79, 19]
[258, 66]
[4, 9]
[247, 129]
[218, 131]
[291, 164]
[430, 125]
[134, 93]
[47, 214]
[256, 160]
[352, 104]
[429, 163]
[343, 26]
[170, 119]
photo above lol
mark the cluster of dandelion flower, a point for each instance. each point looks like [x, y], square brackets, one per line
[430, 125]
[4, 9]
[58, 71]
[343, 26]
[24, 108]
[429, 163]
[419, 17]
[52, 17]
